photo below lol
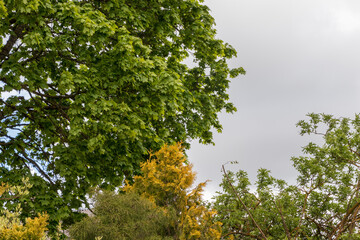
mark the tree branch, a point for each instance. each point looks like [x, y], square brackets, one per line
[242, 203]
[340, 226]
[283, 221]
[24, 155]
[18, 32]
[9, 198]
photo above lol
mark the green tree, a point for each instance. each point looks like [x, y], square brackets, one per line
[122, 216]
[95, 84]
[166, 181]
[325, 202]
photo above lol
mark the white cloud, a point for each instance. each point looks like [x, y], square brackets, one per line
[6, 95]
[347, 19]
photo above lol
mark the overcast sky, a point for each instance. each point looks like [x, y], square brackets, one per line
[300, 57]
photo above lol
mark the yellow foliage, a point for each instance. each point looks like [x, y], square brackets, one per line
[12, 192]
[3, 188]
[34, 229]
[11, 227]
[198, 223]
[3, 10]
[166, 180]
[165, 177]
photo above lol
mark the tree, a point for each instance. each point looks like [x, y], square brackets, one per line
[166, 180]
[122, 216]
[325, 202]
[11, 226]
[88, 87]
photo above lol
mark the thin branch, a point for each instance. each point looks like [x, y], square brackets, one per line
[5, 143]
[356, 153]
[340, 226]
[242, 203]
[303, 210]
[283, 220]
[9, 198]
[24, 155]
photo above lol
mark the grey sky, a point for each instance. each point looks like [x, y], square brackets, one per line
[300, 57]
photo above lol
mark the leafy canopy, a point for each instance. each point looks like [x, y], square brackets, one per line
[88, 87]
[325, 202]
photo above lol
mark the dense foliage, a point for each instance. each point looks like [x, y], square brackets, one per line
[325, 202]
[11, 226]
[122, 216]
[158, 205]
[166, 180]
[88, 87]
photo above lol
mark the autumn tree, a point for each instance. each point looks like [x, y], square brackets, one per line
[325, 202]
[166, 180]
[88, 87]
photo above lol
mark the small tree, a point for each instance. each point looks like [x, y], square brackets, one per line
[325, 202]
[122, 216]
[166, 180]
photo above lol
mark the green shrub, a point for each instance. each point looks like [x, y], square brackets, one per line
[122, 216]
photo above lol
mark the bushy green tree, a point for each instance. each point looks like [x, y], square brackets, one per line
[122, 216]
[94, 85]
[325, 202]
